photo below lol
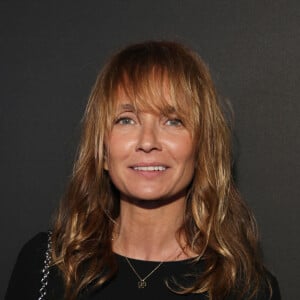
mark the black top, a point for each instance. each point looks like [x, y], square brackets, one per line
[25, 280]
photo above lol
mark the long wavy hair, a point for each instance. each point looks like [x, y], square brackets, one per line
[218, 225]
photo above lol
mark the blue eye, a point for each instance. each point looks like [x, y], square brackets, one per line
[174, 122]
[124, 121]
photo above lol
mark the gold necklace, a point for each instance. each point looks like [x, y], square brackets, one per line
[142, 281]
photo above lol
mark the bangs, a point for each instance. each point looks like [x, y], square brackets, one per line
[155, 89]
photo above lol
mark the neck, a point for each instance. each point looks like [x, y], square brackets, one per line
[149, 233]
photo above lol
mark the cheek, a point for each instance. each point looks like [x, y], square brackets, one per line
[118, 147]
[182, 148]
[185, 155]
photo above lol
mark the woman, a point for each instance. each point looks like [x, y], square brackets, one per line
[151, 209]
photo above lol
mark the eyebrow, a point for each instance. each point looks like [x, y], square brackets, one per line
[170, 110]
[126, 107]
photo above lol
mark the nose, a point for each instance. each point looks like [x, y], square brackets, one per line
[149, 138]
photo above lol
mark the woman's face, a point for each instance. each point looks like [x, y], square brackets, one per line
[149, 156]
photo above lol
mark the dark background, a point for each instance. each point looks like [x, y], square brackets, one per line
[50, 54]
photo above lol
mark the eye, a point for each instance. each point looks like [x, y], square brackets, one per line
[174, 122]
[124, 121]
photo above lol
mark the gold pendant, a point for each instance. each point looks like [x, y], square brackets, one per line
[142, 284]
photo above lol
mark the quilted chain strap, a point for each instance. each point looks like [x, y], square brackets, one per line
[45, 270]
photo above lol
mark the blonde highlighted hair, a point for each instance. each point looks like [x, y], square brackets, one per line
[218, 226]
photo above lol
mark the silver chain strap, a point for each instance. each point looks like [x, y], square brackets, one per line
[45, 270]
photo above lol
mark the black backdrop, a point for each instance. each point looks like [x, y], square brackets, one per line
[50, 54]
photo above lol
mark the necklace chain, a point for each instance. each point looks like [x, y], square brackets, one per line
[142, 281]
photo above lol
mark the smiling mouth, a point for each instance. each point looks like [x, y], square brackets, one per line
[150, 168]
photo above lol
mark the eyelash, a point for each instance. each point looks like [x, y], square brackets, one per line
[122, 119]
[128, 121]
[178, 122]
